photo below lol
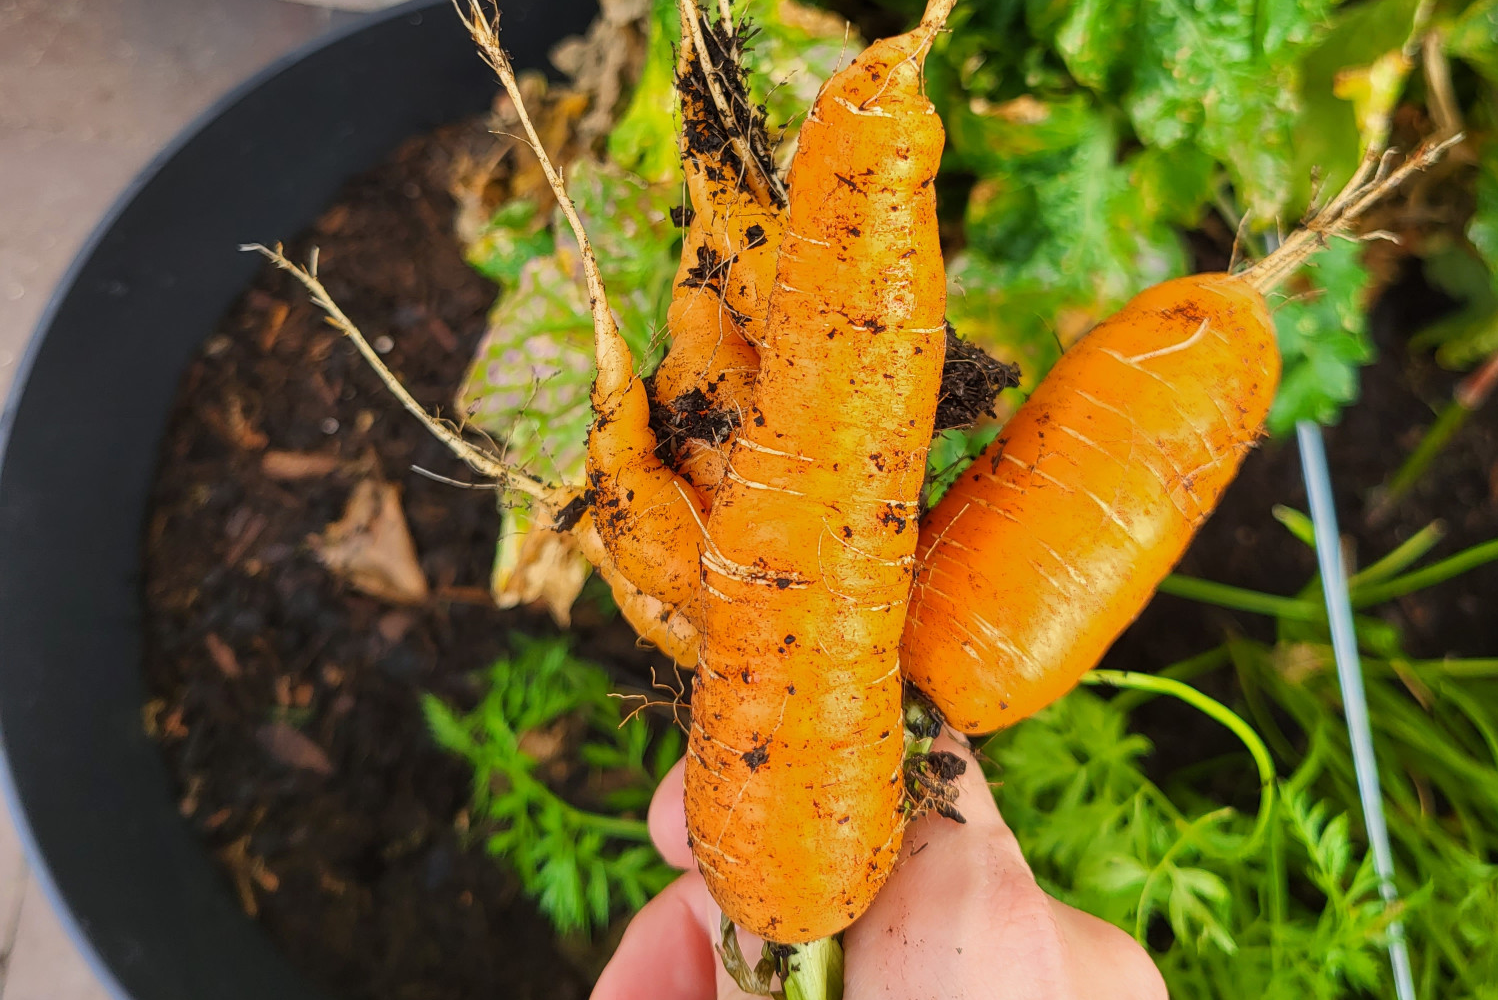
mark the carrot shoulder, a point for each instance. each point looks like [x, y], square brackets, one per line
[794, 769]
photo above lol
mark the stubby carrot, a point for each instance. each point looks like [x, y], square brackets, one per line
[1056, 537]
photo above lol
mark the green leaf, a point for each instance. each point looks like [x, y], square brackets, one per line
[1058, 242]
[578, 865]
[446, 728]
[1327, 141]
[629, 224]
[512, 237]
[1323, 339]
[1224, 73]
[601, 756]
[645, 139]
[1095, 38]
[988, 137]
[951, 452]
[532, 374]
[794, 49]
[1474, 38]
[1173, 185]
[1471, 334]
[561, 890]
[1117, 874]
[1197, 903]
[532, 371]
[668, 750]
[1482, 231]
[598, 893]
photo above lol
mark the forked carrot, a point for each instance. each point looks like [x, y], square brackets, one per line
[648, 519]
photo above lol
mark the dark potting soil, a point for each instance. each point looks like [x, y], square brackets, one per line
[287, 703]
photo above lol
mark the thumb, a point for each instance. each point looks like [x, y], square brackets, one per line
[668, 953]
[668, 818]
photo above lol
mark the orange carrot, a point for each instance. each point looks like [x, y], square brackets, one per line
[722, 288]
[1055, 538]
[793, 781]
[665, 626]
[1053, 541]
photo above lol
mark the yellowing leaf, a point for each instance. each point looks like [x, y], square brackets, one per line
[1373, 91]
[535, 563]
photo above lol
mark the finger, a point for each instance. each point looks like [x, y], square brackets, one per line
[961, 914]
[666, 953]
[668, 819]
[1106, 962]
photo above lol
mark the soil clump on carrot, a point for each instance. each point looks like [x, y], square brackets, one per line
[707, 135]
[690, 415]
[286, 703]
[971, 380]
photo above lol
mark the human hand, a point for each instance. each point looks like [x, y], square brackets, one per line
[961, 918]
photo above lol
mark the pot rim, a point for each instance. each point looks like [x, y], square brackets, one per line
[41, 871]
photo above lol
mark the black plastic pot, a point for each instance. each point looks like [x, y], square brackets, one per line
[78, 446]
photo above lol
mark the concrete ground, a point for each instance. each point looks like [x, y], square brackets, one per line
[89, 90]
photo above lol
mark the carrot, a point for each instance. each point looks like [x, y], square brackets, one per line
[794, 791]
[793, 779]
[1053, 541]
[722, 291]
[639, 523]
[665, 626]
[705, 382]
[1057, 535]
[736, 194]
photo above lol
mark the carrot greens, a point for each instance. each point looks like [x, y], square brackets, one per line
[1164, 848]
[541, 706]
